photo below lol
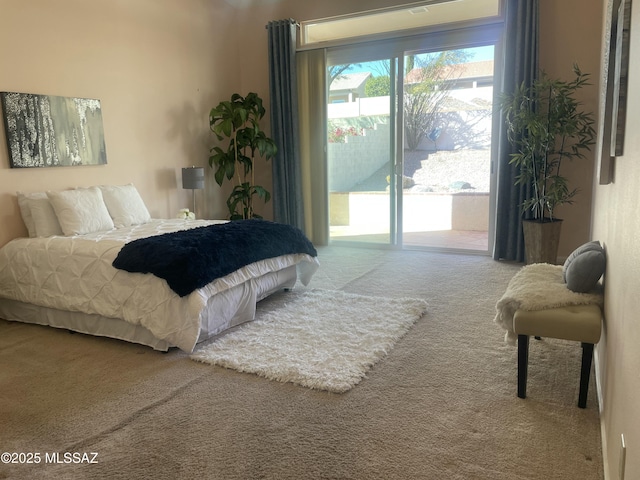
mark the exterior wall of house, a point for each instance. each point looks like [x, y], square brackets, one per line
[156, 68]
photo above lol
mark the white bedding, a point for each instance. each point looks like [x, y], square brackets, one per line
[76, 274]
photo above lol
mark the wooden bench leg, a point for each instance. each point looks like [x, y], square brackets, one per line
[585, 372]
[523, 361]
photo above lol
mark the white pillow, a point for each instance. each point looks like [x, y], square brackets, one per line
[25, 211]
[125, 205]
[44, 217]
[81, 211]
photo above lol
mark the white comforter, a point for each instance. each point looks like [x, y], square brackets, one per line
[75, 274]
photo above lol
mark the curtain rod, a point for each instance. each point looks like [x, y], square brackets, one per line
[290, 20]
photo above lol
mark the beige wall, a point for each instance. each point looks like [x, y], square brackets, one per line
[157, 66]
[570, 32]
[616, 223]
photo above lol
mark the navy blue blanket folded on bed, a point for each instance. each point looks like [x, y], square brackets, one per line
[190, 259]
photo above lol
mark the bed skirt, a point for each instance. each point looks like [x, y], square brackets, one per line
[224, 310]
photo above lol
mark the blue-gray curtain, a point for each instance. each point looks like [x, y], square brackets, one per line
[520, 65]
[287, 183]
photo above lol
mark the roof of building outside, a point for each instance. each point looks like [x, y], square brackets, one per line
[461, 71]
[349, 81]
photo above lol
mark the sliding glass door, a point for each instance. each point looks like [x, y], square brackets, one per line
[409, 144]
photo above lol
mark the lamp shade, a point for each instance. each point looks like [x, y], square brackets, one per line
[193, 178]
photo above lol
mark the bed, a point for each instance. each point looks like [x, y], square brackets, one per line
[64, 276]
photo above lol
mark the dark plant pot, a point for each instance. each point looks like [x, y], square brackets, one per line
[541, 240]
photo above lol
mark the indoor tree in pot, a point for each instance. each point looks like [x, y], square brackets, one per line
[547, 126]
[236, 123]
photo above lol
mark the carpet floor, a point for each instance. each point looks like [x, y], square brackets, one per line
[441, 405]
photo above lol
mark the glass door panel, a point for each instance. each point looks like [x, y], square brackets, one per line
[447, 99]
[360, 146]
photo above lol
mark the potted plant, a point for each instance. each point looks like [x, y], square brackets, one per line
[236, 123]
[547, 126]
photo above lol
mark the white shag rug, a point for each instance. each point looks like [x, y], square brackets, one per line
[321, 339]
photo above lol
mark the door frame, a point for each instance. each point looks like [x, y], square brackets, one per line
[395, 50]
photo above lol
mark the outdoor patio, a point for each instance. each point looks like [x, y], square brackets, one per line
[431, 220]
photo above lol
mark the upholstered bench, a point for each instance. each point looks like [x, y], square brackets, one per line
[581, 323]
[555, 301]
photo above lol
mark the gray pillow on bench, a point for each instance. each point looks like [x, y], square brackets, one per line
[584, 267]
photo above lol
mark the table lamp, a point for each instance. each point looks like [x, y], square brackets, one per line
[193, 179]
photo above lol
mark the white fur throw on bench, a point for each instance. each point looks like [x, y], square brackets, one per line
[538, 286]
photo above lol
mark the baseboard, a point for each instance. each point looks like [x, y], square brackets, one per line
[603, 430]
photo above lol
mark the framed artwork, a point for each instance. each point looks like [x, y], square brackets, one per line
[620, 77]
[613, 87]
[52, 131]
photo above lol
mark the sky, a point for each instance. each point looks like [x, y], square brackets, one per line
[479, 54]
[482, 53]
